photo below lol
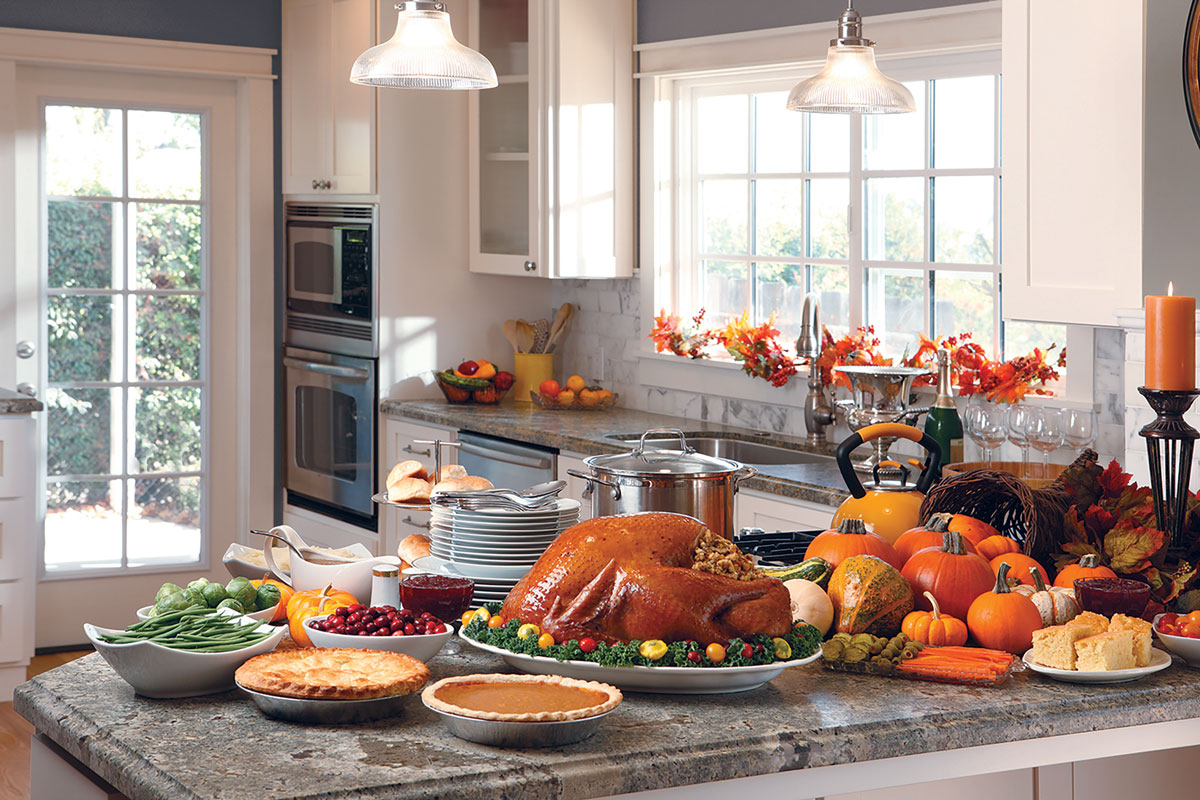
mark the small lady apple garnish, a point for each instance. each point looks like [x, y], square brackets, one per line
[587, 644]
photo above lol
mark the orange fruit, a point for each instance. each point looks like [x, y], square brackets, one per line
[605, 395]
[486, 371]
[576, 383]
[549, 388]
[589, 397]
[566, 397]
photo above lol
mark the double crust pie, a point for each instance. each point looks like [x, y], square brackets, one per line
[325, 673]
[521, 698]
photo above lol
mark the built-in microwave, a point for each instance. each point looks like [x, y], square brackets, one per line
[332, 253]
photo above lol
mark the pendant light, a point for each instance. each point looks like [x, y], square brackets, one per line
[423, 54]
[850, 83]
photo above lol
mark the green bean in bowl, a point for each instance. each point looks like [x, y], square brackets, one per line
[183, 653]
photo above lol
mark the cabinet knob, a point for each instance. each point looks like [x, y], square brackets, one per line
[530, 266]
[25, 349]
[27, 388]
[326, 184]
[316, 183]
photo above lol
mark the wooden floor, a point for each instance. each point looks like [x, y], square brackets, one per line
[15, 733]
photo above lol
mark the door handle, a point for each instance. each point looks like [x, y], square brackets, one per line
[506, 458]
[328, 369]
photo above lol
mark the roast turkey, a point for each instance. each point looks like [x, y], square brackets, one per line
[633, 577]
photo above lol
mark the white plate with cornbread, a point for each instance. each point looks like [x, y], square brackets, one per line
[1096, 649]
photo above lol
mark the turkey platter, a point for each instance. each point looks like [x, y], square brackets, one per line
[648, 576]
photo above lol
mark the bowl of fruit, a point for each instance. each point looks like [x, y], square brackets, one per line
[401, 630]
[1181, 634]
[475, 381]
[575, 395]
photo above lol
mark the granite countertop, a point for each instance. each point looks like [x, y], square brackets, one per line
[587, 433]
[16, 403]
[220, 746]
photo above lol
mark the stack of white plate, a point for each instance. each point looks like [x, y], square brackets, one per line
[493, 547]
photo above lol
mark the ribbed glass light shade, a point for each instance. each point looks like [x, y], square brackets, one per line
[850, 83]
[423, 54]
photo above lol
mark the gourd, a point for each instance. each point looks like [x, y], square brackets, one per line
[950, 573]
[869, 595]
[975, 530]
[933, 628]
[851, 538]
[916, 539]
[1056, 604]
[997, 545]
[1020, 564]
[1002, 619]
[816, 570]
[810, 603]
[1088, 566]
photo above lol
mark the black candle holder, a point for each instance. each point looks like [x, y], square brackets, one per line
[1170, 471]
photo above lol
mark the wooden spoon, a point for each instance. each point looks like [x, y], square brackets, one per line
[510, 333]
[525, 336]
[561, 320]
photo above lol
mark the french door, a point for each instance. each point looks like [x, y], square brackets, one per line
[129, 180]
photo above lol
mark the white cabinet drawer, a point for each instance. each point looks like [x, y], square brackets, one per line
[772, 513]
[15, 613]
[16, 455]
[16, 538]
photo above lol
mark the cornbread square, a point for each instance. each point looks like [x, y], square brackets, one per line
[1055, 646]
[1105, 652]
[1090, 622]
[1141, 636]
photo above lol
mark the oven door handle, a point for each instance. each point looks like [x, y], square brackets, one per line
[506, 458]
[328, 369]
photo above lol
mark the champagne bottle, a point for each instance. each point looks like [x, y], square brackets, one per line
[942, 422]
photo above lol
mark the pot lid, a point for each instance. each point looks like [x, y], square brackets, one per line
[644, 459]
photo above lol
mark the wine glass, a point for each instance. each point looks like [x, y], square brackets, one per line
[986, 425]
[1045, 433]
[1018, 423]
[1079, 427]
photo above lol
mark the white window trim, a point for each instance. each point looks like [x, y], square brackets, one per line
[964, 37]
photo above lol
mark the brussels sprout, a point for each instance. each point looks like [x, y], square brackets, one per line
[198, 584]
[213, 594]
[229, 602]
[166, 589]
[194, 598]
[175, 601]
[268, 596]
[243, 591]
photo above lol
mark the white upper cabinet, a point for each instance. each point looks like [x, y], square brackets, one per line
[551, 147]
[328, 122]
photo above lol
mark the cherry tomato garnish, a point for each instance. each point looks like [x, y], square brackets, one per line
[747, 650]
[694, 656]
[545, 640]
[495, 622]
[1190, 629]
[715, 653]
[1168, 619]
[587, 644]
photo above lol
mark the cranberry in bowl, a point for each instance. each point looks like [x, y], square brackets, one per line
[380, 628]
[1110, 596]
[444, 596]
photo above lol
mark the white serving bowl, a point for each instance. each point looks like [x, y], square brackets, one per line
[238, 567]
[421, 647]
[265, 615]
[1185, 647]
[154, 670]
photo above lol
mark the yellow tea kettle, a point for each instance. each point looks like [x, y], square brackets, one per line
[889, 509]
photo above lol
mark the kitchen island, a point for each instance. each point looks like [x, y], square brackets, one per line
[809, 733]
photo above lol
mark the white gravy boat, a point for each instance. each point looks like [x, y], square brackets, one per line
[354, 577]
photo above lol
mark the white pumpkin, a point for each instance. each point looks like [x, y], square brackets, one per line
[810, 603]
[1056, 604]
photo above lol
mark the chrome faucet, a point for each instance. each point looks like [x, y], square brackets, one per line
[818, 413]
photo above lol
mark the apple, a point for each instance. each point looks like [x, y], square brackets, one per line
[549, 388]
[466, 369]
[503, 380]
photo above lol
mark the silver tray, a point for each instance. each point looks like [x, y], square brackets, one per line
[326, 712]
[382, 499]
[520, 734]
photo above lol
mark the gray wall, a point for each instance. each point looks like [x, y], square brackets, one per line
[661, 20]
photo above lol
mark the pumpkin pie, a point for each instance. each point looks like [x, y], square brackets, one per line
[521, 698]
[325, 673]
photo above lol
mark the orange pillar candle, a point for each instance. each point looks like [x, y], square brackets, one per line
[1170, 342]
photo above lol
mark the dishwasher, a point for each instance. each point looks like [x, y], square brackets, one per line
[507, 464]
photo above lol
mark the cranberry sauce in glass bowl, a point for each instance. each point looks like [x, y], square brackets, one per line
[444, 596]
[1110, 596]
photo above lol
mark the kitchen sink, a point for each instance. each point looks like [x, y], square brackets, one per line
[734, 449]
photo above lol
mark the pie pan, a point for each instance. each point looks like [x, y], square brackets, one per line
[326, 712]
[520, 734]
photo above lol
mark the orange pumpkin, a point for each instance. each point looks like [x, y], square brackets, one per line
[304, 605]
[1089, 566]
[285, 594]
[851, 539]
[997, 545]
[931, 628]
[916, 539]
[1020, 564]
[975, 530]
[1002, 619]
[949, 573]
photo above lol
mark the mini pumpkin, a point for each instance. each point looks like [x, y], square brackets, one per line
[933, 628]
[950, 573]
[1088, 566]
[851, 538]
[1002, 619]
[1056, 604]
[997, 545]
[1019, 563]
[975, 530]
[917, 539]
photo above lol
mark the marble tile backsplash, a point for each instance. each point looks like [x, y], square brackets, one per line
[607, 336]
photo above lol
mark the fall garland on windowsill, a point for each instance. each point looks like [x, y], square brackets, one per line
[757, 349]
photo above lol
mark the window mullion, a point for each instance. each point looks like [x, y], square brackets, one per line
[751, 211]
[857, 274]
